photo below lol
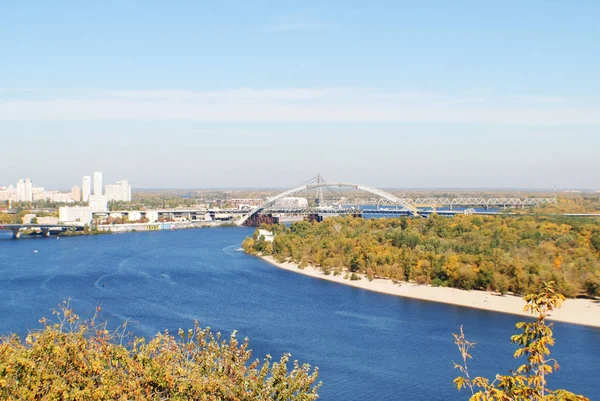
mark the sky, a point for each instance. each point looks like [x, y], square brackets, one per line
[392, 94]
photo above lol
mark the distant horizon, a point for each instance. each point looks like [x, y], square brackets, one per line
[383, 187]
[283, 188]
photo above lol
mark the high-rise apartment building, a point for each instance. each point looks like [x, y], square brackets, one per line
[76, 193]
[121, 191]
[86, 188]
[97, 183]
[24, 191]
[20, 190]
[8, 193]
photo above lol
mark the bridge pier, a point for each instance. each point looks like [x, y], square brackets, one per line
[16, 232]
[45, 232]
[313, 217]
[258, 219]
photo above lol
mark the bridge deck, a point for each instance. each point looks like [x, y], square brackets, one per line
[50, 226]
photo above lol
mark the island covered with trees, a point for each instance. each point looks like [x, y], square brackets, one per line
[514, 254]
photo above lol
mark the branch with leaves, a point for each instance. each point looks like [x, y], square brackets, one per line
[75, 360]
[528, 382]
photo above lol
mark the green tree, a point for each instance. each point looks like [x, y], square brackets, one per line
[355, 264]
[21, 214]
[6, 218]
[528, 381]
[592, 284]
[595, 241]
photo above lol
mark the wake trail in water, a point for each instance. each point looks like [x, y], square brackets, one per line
[229, 248]
[119, 270]
[53, 274]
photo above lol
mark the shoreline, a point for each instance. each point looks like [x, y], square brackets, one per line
[129, 228]
[583, 312]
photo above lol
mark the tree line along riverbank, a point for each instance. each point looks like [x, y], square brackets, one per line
[503, 254]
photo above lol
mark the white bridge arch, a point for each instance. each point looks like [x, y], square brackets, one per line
[385, 195]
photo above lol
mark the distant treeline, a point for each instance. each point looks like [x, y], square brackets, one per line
[504, 254]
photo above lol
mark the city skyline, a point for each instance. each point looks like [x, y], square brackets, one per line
[25, 190]
[399, 95]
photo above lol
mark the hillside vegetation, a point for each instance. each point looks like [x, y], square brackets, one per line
[504, 254]
[71, 360]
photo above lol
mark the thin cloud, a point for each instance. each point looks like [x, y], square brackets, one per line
[241, 94]
[300, 26]
[299, 105]
[542, 99]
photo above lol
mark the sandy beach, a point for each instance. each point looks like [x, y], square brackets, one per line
[576, 311]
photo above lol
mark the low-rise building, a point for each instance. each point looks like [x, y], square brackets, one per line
[98, 203]
[62, 197]
[28, 217]
[152, 216]
[290, 202]
[245, 202]
[77, 214]
[266, 234]
[134, 215]
[48, 220]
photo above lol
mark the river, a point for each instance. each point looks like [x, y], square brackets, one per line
[368, 346]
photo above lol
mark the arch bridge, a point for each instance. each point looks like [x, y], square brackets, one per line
[408, 207]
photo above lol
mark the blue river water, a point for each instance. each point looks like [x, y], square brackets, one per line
[368, 346]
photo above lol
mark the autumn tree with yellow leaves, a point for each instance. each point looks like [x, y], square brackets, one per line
[495, 253]
[529, 381]
[83, 361]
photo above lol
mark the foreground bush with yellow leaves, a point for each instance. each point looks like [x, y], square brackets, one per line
[529, 381]
[75, 360]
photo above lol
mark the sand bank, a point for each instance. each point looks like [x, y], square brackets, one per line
[576, 311]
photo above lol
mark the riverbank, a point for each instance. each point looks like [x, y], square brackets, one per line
[576, 311]
[158, 226]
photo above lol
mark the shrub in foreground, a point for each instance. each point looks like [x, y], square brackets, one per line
[75, 360]
[528, 382]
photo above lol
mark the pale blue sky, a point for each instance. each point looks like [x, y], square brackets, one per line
[268, 93]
